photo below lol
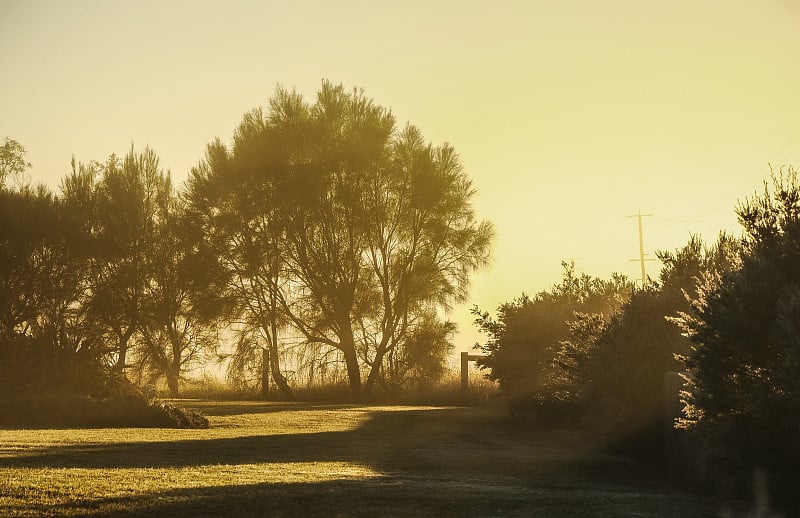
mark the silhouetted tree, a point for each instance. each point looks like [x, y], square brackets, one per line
[613, 366]
[743, 396]
[46, 340]
[183, 304]
[527, 332]
[422, 241]
[130, 196]
[355, 229]
[233, 197]
[12, 163]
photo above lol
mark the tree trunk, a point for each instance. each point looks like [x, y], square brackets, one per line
[173, 377]
[374, 372]
[348, 348]
[124, 338]
[279, 378]
[265, 367]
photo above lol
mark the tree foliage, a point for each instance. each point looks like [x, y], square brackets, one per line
[526, 334]
[13, 164]
[46, 340]
[743, 395]
[332, 220]
[613, 366]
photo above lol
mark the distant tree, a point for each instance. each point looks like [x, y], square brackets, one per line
[184, 304]
[743, 396]
[233, 198]
[12, 163]
[131, 194]
[525, 336]
[46, 341]
[357, 229]
[610, 372]
[420, 359]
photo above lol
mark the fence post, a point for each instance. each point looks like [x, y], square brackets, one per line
[464, 374]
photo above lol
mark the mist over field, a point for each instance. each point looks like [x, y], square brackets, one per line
[263, 259]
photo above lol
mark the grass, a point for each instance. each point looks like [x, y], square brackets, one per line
[302, 459]
[445, 391]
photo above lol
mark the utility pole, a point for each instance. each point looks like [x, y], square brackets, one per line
[641, 245]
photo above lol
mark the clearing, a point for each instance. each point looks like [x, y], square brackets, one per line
[279, 459]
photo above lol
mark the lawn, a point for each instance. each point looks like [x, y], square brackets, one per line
[277, 459]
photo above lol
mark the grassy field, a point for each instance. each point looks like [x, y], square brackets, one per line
[273, 459]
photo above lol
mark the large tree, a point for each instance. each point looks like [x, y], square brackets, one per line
[613, 366]
[131, 194]
[357, 228]
[743, 395]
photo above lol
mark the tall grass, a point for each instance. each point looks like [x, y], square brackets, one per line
[444, 392]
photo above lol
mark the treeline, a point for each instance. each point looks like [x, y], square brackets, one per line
[698, 368]
[323, 239]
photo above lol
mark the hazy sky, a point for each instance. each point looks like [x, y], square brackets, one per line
[568, 115]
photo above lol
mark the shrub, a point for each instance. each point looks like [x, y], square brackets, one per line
[123, 406]
[743, 395]
[523, 338]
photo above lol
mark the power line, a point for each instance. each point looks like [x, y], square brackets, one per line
[723, 205]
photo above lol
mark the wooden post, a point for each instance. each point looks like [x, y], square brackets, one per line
[464, 374]
[465, 359]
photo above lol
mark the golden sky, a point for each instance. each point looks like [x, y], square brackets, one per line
[568, 115]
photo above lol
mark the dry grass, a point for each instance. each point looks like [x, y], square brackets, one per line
[272, 459]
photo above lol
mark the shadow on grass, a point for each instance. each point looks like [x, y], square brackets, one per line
[433, 441]
[441, 462]
[386, 439]
[383, 496]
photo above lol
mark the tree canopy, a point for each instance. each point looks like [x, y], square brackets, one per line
[742, 395]
[12, 163]
[526, 334]
[335, 223]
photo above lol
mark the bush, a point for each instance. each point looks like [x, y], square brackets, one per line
[525, 335]
[743, 396]
[124, 406]
[548, 409]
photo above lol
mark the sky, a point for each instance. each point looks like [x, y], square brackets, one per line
[568, 116]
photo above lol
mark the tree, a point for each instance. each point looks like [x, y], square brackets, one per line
[12, 163]
[422, 241]
[743, 397]
[613, 366]
[153, 283]
[47, 343]
[358, 228]
[527, 332]
[131, 194]
[233, 199]
[182, 305]
[420, 359]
